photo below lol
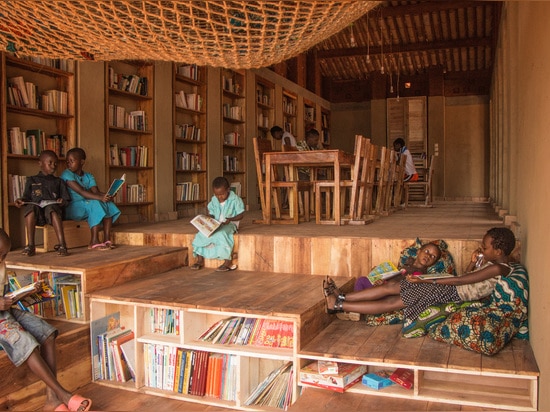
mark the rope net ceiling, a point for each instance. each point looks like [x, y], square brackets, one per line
[234, 34]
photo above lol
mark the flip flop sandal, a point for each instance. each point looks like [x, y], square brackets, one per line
[76, 403]
[62, 251]
[196, 266]
[225, 268]
[97, 246]
[29, 250]
[337, 308]
[110, 245]
[329, 287]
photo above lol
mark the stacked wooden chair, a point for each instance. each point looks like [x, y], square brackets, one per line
[419, 193]
[353, 190]
[293, 188]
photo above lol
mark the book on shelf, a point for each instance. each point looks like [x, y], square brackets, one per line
[433, 276]
[98, 327]
[403, 377]
[129, 354]
[116, 185]
[122, 368]
[205, 224]
[275, 390]
[348, 374]
[383, 271]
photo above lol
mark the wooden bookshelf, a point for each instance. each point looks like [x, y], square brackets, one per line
[189, 139]
[129, 126]
[310, 116]
[325, 127]
[29, 113]
[234, 128]
[290, 102]
[265, 110]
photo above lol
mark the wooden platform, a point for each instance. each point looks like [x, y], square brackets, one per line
[101, 269]
[507, 380]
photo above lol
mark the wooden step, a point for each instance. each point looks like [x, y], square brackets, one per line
[22, 390]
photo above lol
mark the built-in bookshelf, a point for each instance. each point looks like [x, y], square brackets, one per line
[68, 302]
[265, 110]
[234, 140]
[38, 113]
[310, 116]
[290, 102]
[174, 354]
[325, 127]
[190, 191]
[129, 121]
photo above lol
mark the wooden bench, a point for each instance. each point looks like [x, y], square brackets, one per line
[77, 234]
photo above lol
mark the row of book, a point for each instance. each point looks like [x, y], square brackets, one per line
[131, 193]
[192, 372]
[250, 331]
[232, 111]
[191, 101]
[288, 106]
[16, 187]
[61, 64]
[232, 138]
[119, 116]
[135, 156]
[33, 141]
[65, 298]
[187, 191]
[275, 390]
[230, 164]
[229, 84]
[189, 70]
[263, 120]
[130, 83]
[164, 321]
[188, 132]
[188, 161]
[262, 97]
[22, 93]
[116, 355]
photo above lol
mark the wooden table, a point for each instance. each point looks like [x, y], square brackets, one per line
[335, 159]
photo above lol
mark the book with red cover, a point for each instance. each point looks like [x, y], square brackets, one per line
[403, 377]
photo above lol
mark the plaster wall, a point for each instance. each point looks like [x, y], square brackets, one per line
[520, 107]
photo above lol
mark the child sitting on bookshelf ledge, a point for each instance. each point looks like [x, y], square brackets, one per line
[28, 339]
[228, 209]
[87, 201]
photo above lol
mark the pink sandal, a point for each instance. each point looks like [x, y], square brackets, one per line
[77, 403]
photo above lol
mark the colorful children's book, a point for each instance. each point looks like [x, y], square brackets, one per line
[433, 276]
[384, 271]
[116, 185]
[36, 292]
[42, 203]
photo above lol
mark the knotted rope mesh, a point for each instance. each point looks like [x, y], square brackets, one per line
[234, 34]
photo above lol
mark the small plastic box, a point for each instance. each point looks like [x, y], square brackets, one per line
[376, 380]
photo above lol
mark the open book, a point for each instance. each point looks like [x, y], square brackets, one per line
[205, 224]
[42, 203]
[384, 271]
[433, 276]
[36, 292]
[116, 185]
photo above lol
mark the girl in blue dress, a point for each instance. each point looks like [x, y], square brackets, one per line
[88, 203]
[225, 207]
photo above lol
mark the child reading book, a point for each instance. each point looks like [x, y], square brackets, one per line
[29, 339]
[44, 186]
[228, 209]
[87, 201]
[414, 294]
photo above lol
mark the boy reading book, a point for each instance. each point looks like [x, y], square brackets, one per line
[88, 202]
[228, 209]
[29, 339]
[45, 186]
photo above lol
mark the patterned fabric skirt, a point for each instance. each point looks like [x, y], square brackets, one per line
[418, 296]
